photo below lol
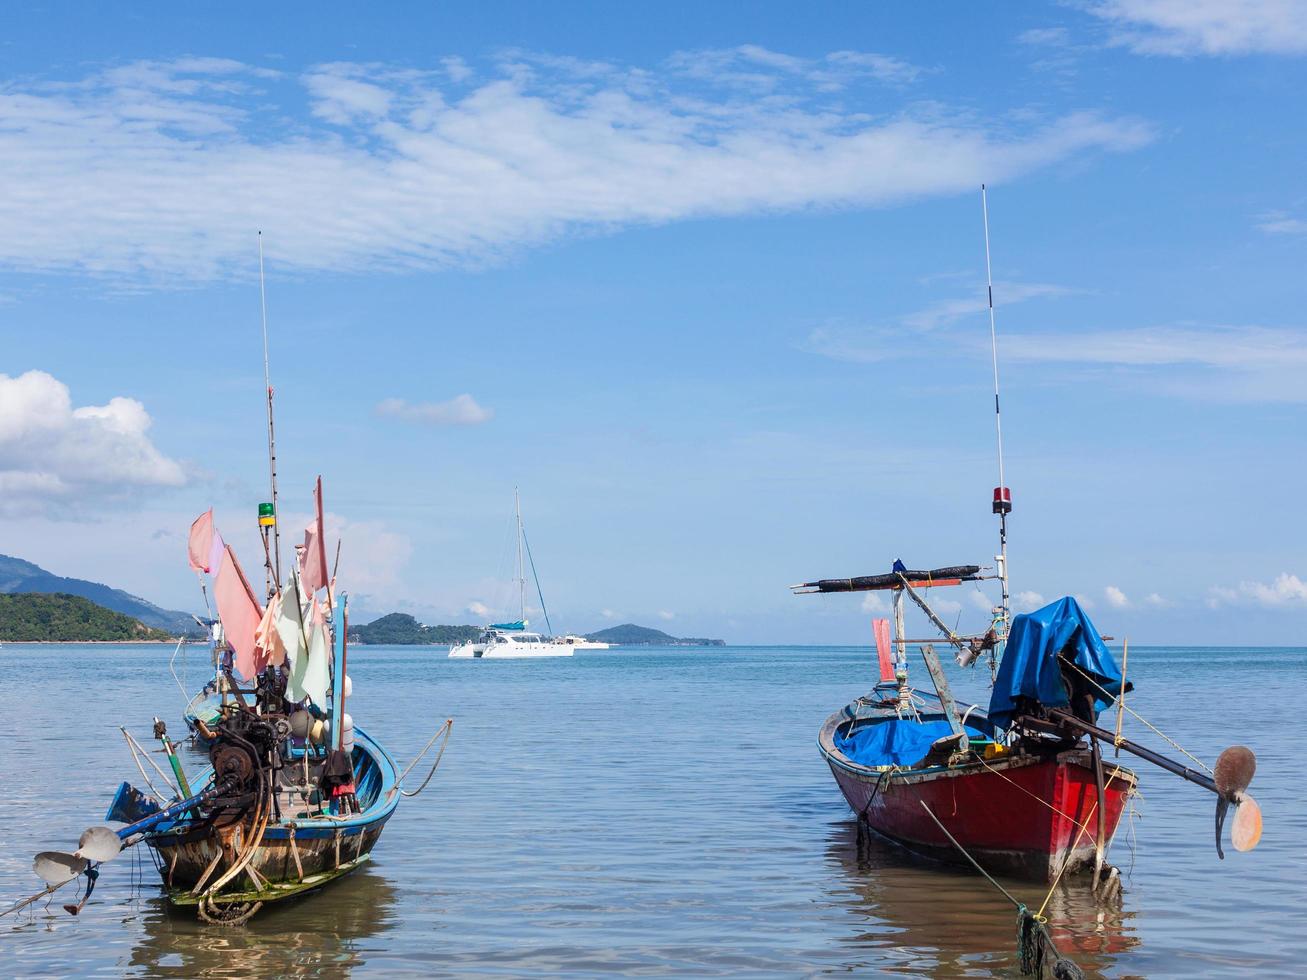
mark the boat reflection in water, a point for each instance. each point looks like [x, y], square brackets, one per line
[929, 919]
[282, 941]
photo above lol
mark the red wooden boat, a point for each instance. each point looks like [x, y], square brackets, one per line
[1020, 788]
[1030, 814]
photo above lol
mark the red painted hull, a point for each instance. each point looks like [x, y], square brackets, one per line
[1018, 815]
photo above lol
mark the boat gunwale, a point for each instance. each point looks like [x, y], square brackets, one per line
[835, 758]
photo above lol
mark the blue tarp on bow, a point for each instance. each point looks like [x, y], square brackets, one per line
[895, 742]
[1030, 668]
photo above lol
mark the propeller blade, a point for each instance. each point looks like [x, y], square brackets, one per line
[56, 867]
[98, 844]
[1246, 830]
[1222, 804]
[1234, 770]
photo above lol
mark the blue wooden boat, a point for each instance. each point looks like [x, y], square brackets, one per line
[303, 847]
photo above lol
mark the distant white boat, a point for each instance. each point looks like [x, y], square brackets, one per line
[500, 643]
[503, 641]
[581, 643]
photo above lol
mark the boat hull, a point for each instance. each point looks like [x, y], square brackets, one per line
[1021, 815]
[298, 854]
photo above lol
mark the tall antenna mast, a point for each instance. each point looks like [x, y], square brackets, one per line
[275, 565]
[521, 569]
[1002, 495]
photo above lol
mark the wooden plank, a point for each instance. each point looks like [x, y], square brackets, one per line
[942, 689]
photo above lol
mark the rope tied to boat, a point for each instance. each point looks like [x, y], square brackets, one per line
[446, 729]
[1035, 947]
[1161, 734]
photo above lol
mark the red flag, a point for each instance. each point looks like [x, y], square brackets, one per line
[881, 628]
[200, 545]
[239, 612]
[314, 567]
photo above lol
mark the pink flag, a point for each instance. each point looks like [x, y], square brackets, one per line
[215, 553]
[200, 545]
[880, 627]
[314, 568]
[239, 612]
[271, 652]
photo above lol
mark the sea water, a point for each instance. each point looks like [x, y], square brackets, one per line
[650, 812]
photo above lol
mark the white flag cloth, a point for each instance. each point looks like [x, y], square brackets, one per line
[311, 674]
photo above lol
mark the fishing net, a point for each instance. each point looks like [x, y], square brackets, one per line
[1039, 956]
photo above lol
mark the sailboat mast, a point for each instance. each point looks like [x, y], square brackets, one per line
[272, 441]
[1002, 495]
[521, 568]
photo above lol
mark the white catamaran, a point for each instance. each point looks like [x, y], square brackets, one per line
[502, 641]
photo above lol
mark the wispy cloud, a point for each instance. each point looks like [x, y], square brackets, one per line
[55, 458]
[459, 410]
[1028, 601]
[1284, 591]
[907, 335]
[1227, 363]
[402, 169]
[1281, 223]
[754, 67]
[1213, 27]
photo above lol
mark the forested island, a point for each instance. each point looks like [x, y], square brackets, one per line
[630, 635]
[34, 617]
[401, 629]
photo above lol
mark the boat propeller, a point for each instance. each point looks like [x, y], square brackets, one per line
[1234, 771]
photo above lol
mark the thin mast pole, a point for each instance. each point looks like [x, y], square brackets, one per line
[272, 442]
[521, 570]
[1002, 500]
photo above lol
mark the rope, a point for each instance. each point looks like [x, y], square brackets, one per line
[1006, 894]
[1118, 740]
[135, 747]
[447, 728]
[1066, 863]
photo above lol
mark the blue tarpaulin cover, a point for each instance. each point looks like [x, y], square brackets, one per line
[895, 742]
[1030, 669]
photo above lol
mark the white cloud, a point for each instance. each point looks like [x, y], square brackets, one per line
[609, 614]
[1116, 598]
[981, 601]
[878, 342]
[1281, 223]
[373, 558]
[750, 66]
[460, 410]
[664, 615]
[874, 602]
[946, 607]
[1028, 601]
[1232, 363]
[420, 170]
[1156, 601]
[478, 608]
[1221, 27]
[54, 458]
[1286, 590]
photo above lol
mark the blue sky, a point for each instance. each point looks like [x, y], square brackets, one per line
[705, 281]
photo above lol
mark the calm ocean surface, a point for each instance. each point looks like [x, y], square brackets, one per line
[649, 812]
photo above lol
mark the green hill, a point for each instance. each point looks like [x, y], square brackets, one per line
[33, 617]
[19, 576]
[403, 630]
[628, 634]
